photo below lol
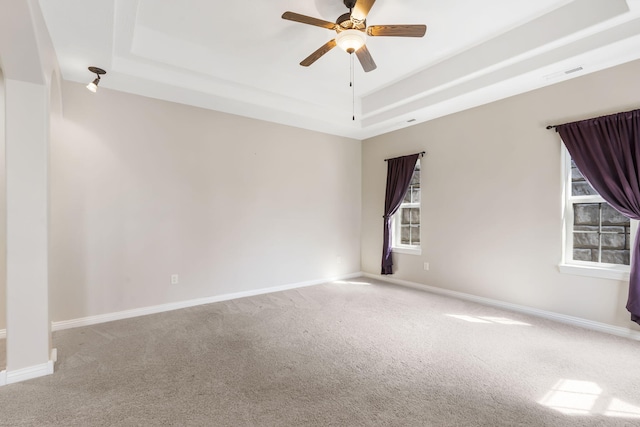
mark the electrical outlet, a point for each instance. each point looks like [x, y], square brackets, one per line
[174, 279]
[426, 266]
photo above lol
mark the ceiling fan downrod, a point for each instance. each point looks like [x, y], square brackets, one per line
[350, 4]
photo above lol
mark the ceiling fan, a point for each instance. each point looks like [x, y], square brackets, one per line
[351, 28]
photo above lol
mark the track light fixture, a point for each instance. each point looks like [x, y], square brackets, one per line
[93, 86]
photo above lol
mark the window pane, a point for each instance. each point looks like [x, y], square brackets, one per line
[600, 234]
[406, 216]
[405, 235]
[615, 257]
[415, 179]
[582, 189]
[611, 216]
[415, 194]
[613, 241]
[585, 255]
[586, 240]
[415, 235]
[579, 185]
[586, 214]
[407, 197]
[415, 215]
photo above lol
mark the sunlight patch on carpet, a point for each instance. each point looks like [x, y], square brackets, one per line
[488, 319]
[620, 409]
[346, 282]
[573, 397]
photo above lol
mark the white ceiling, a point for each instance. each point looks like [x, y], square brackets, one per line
[241, 57]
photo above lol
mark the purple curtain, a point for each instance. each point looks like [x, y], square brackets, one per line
[607, 152]
[399, 172]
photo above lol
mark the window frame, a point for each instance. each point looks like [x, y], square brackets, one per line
[585, 268]
[396, 246]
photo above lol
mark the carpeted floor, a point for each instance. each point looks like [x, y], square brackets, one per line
[357, 353]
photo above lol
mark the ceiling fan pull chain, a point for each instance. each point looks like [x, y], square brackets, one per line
[351, 71]
[353, 91]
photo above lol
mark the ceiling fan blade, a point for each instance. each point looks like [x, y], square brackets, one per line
[397, 30]
[318, 53]
[365, 59]
[361, 9]
[304, 19]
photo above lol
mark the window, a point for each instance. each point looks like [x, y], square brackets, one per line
[406, 221]
[597, 238]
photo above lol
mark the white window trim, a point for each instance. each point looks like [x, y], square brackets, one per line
[602, 271]
[407, 250]
[583, 268]
[395, 226]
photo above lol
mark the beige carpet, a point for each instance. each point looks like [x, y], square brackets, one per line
[341, 354]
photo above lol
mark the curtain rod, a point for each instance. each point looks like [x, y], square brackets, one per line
[606, 115]
[422, 153]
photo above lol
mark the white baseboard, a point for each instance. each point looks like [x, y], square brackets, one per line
[28, 373]
[563, 318]
[109, 317]
[127, 314]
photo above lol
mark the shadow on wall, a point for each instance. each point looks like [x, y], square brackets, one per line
[69, 240]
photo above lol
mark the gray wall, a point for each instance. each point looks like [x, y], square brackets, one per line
[491, 202]
[142, 189]
[139, 189]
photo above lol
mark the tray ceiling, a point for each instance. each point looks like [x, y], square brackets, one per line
[242, 58]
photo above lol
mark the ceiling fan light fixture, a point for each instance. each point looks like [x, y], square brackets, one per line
[350, 40]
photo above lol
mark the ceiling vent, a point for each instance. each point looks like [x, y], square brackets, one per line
[573, 70]
[558, 74]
